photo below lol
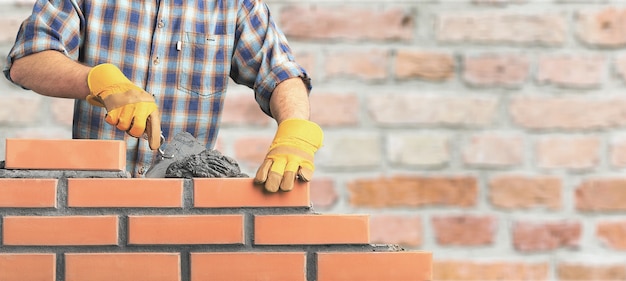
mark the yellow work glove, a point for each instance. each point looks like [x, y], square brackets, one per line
[129, 108]
[290, 154]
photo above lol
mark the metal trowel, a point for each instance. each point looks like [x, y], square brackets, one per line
[182, 145]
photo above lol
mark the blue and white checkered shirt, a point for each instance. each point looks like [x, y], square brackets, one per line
[181, 51]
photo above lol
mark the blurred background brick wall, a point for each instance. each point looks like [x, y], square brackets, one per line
[489, 132]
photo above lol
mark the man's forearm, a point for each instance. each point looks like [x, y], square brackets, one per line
[52, 74]
[290, 100]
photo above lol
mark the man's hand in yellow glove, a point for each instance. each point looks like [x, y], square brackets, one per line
[290, 154]
[129, 108]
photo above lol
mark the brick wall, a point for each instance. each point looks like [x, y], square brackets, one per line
[486, 131]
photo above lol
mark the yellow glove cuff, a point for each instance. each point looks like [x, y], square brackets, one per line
[104, 80]
[292, 132]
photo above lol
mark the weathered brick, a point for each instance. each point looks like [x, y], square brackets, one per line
[338, 22]
[601, 194]
[572, 71]
[568, 112]
[402, 191]
[122, 266]
[240, 109]
[612, 234]
[405, 266]
[320, 229]
[368, 64]
[323, 193]
[424, 65]
[431, 110]
[545, 236]
[251, 149]
[488, 70]
[524, 192]
[602, 27]
[501, 27]
[413, 149]
[464, 230]
[583, 271]
[31, 266]
[493, 149]
[568, 152]
[335, 109]
[347, 151]
[396, 229]
[617, 152]
[454, 270]
[248, 266]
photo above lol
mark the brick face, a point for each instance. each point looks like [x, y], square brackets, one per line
[425, 65]
[464, 230]
[53, 230]
[603, 194]
[525, 192]
[545, 236]
[583, 71]
[509, 70]
[602, 27]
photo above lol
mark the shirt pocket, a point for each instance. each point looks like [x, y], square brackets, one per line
[204, 63]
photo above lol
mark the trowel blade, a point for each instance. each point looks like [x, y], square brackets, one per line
[181, 146]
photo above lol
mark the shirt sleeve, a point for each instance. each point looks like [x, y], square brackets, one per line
[53, 25]
[262, 57]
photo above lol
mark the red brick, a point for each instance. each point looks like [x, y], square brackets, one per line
[545, 236]
[493, 149]
[617, 152]
[53, 231]
[408, 109]
[584, 272]
[602, 27]
[323, 193]
[464, 230]
[568, 152]
[612, 234]
[388, 266]
[454, 270]
[601, 194]
[241, 109]
[524, 192]
[430, 150]
[338, 22]
[252, 150]
[186, 229]
[568, 112]
[369, 64]
[242, 192]
[65, 154]
[406, 191]
[248, 266]
[122, 266]
[142, 192]
[28, 193]
[335, 109]
[583, 71]
[488, 70]
[424, 65]
[311, 229]
[501, 28]
[396, 229]
[28, 267]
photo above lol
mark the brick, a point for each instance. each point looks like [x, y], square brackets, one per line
[464, 230]
[411, 149]
[396, 229]
[65, 154]
[311, 229]
[501, 28]
[601, 194]
[240, 109]
[388, 266]
[323, 193]
[370, 64]
[186, 229]
[430, 66]
[252, 149]
[568, 152]
[620, 66]
[525, 192]
[248, 266]
[346, 151]
[140, 192]
[337, 22]
[602, 27]
[242, 192]
[60, 230]
[617, 152]
[122, 266]
[31, 267]
[494, 149]
[406, 191]
[582, 272]
[568, 112]
[529, 236]
[583, 71]
[62, 111]
[453, 270]
[335, 109]
[308, 60]
[28, 193]
[431, 110]
[612, 234]
[20, 110]
[490, 70]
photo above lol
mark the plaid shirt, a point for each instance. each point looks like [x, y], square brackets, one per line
[181, 51]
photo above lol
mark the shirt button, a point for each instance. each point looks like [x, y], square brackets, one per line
[161, 24]
[141, 170]
[156, 61]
